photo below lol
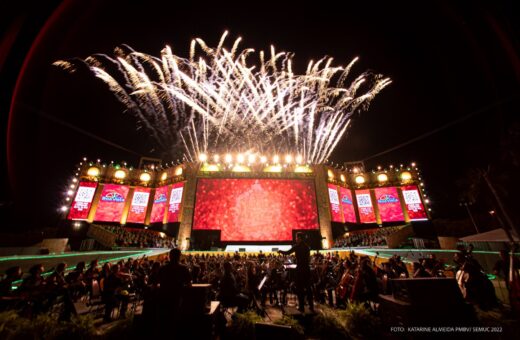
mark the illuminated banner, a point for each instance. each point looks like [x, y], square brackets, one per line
[159, 205]
[255, 209]
[413, 202]
[112, 202]
[348, 206]
[389, 206]
[137, 212]
[334, 204]
[365, 208]
[83, 200]
[175, 202]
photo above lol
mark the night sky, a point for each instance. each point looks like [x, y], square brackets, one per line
[446, 61]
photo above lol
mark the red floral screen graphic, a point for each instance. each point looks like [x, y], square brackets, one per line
[82, 201]
[335, 211]
[112, 202]
[159, 204]
[389, 205]
[174, 206]
[255, 209]
[348, 206]
[413, 202]
[139, 205]
[365, 207]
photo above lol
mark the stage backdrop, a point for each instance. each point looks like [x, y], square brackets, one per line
[255, 209]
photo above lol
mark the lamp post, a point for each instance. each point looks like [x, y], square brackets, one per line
[466, 204]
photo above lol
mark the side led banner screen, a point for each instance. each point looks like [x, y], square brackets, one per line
[389, 205]
[347, 205]
[139, 205]
[413, 202]
[335, 211]
[159, 205]
[174, 206]
[255, 209]
[365, 208]
[112, 202]
[83, 200]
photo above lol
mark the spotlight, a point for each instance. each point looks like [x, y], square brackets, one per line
[228, 158]
[240, 158]
[70, 193]
[299, 159]
[263, 159]
[288, 159]
[251, 159]
[216, 158]
[63, 208]
[276, 159]
[203, 157]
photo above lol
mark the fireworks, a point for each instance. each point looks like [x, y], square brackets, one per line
[221, 100]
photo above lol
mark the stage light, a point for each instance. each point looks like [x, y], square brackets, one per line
[426, 201]
[303, 169]
[413, 164]
[228, 158]
[203, 157]
[120, 174]
[84, 158]
[216, 158]
[241, 168]
[382, 177]
[355, 170]
[273, 168]
[93, 171]
[67, 199]
[299, 159]
[379, 167]
[251, 159]
[330, 174]
[74, 180]
[240, 158]
[72, 186]
[276, 159]
[70, 192]
[342, 177]
[178, 171]
[288, 159]
[63, 208]
[263, 159]
[164, 176]
[210, 167]
[422, 184]
[360, 179]
[145, 177]
[406, 176]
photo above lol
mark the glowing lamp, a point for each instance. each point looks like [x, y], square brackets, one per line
[263, 159]
[120, 174]
[342, 177]
[240, 158]
[406, 176]
[359, 179]
[216, 158]
[164, 176]
[240, 168]
[74, 180]
[70, 192]
[427, 201]
[276, 159]
[93, 171]
[288, 159]
[251, 159]
[178, 171]
[299, 159]
[145, 177]
[382, 177]
[203, 157]
[330, 174]
[228, 158]
[63, 208]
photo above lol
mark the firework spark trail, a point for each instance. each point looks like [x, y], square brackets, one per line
[216, 101]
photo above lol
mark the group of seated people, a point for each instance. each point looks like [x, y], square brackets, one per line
[241, 280]
[140, 238]
[365, 238]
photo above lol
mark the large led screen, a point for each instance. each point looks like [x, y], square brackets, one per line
[255, 209]
[159, 205]
[175, 202]
[414, 205]
[389, 206]
[139, 205]
[347, 205]
[365, 208]
[112, 202]
[83, 200]
[335, 211]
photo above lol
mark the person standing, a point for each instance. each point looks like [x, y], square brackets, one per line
[303, 272]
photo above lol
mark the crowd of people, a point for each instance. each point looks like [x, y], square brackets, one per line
[240, 280]
[141, 238]
[365, 238]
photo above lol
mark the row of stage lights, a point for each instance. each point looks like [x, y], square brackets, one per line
[250, 159]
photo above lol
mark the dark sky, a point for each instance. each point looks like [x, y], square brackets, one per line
[446, 61]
